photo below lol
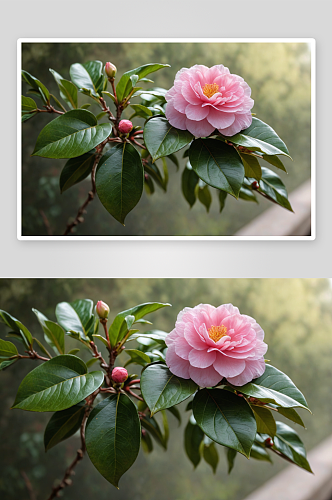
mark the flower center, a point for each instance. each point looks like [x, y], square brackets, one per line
[210, 89]
[217, 332]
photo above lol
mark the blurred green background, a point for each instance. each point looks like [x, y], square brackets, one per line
[296, 315]
[279, 76]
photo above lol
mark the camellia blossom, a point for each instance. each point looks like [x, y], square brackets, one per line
[209, 343]
[204, 99]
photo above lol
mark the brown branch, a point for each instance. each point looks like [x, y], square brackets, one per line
[137, 143]
[67, 481]
[31, 355]
[79, 217]
[49, 109]
[28, 486]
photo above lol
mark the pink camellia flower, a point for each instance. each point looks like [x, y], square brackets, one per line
[209, 343]
[204, 99]
[125, 126]
[102, 309]
[110, 70]
[119, 375]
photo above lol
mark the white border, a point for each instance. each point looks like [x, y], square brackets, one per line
[310, 41]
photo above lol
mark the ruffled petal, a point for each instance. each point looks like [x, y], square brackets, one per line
[177, 365]
[201, 359]
[228, 367]
[175, 118]
[196, 113]
[204, 377]
[219, 119]
[199, 129]
[241, 123]
[182, 348]
[253, 369]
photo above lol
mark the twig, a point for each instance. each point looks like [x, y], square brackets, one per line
[133, 394]
[28, 485]
[137, 143]
[31, 355]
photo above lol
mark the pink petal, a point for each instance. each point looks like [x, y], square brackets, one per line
[193, 338]
[204, 377]
[175, 118]
[219, 119]
[241, 123]
[180, 103]
[177, 365]
[201, 359]
[182, 348]
[196, 113]
[189, 94]
[253, 369]
[228, 367]
[199, 129]
[171, 337]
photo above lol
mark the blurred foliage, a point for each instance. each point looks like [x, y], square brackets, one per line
[279, 76]
[296, 315]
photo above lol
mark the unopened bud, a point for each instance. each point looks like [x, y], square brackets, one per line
[110, 70]
[268, 442]
[119, 375]
[255, 185]
[102, 309]
[125, 126]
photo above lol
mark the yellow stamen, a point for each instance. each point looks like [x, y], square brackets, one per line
[210, 89]
[217, 332]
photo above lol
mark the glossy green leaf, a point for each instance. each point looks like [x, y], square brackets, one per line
[140, 110]
[287, 442]
[148, 184]
[272, 185]
[260, 453]
[153, 171]
[217, 164]
[291, 414]
[189, 182]
[193, 437]
[68, 91]
[222, 195]
[148, 338]
[37, 86]
[211, 456]
[225, 418]
[6, 363]
[63, 424]
[247, 194]
[175, 412]
[152, 426]
[57, 384]
[75, 315]
[53, 333]
[25, 117]
[162, 139]
[264, 420]
[28, 104]
[146, 442]
[204, 196]
[73, 351]
[101, 338]
[70, 135]
[275, 161]
[43, 348]
[261, 137]
[119, 329]
[19, 329]
[137, 357]
[125, 84]
[87, 75]
[76, 170]
[161, 389]
[91, 362]
[251, 165]
[231, 455]
[7, 350]
[58, 103]
[113, 436]
[119, 180]
[275, 387]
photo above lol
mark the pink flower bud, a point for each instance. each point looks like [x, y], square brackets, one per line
[110, 70]
[125, 126]
[119, 375]
[102, 309]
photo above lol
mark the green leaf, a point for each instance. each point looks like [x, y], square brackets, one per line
[162, 139]
[75, 315]
[91, 362]
[217, 164]
[211, 456]
[291, 414]
[161, 389]
[231, 455]
[37, 86]
[222, 199]
[251, 165]
[19, 329]
[70, 135]
[141, 110]
[119, 329]
[6, 363]
[260, 136]
[264, 420]
[146, 442]
[148, 338]
[225, 418]
[148, 184]
[68, 91]
[287, 442]
[57, 384]
[113, 437]
[25, 117]
[53, 333]
[151, 425]
[272, 185]
[154, 172]
[43, 348]
[87, 75]
[193, 436]
[119, 180]
[101, 338]
[247, 194]
[275, 387]
[189, 183]
[125, 84]
[137, 357]
[7, 350]
[28, 104]
[63, 424]
[73, 351]
[175, 412]
[58, 103]
[275, 161]
[204, 196]
[76, 170]
[260, 453]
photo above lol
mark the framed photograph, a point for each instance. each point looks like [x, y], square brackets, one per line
[166, 139]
